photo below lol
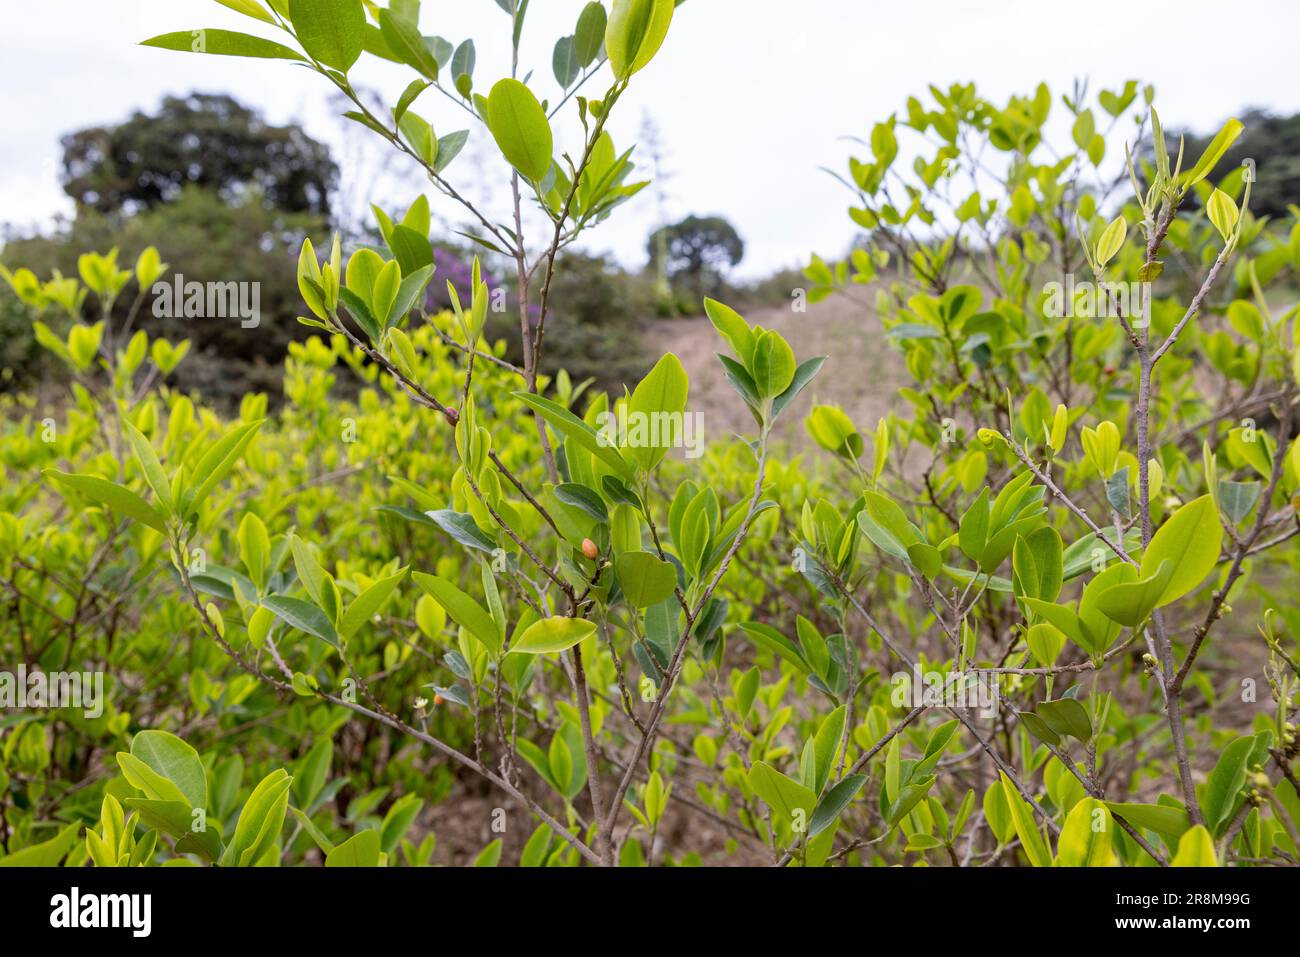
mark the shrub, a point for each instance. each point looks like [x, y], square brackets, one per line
[936, 654]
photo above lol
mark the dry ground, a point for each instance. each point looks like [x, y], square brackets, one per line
[862, 372]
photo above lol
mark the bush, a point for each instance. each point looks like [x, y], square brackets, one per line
[1034, 620]
[208, 240]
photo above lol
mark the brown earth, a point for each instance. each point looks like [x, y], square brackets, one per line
[862, 372]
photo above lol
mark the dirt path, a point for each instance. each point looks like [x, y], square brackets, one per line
[862, 372]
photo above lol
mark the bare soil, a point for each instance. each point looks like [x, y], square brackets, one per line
[862, 372]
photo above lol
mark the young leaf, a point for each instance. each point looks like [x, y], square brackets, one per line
[463, 609]
[174, 760]
[635, 32]
[222, 43]
[113, 496]
[329, 30]
[304, 616]
[645, 579]
[519, 125]
[550, 635]
[1189, 540]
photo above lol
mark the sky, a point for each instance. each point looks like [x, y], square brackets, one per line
[751, 97]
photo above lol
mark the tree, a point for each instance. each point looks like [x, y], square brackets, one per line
[699, 249]
[206, 140]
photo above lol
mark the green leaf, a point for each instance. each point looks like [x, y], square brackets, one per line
[368, 603]
[1225, 783]
[303, 616]
[174, 760]
[519, 125]
[404, 40]
[534, 853]
[1130, 603]
[113, 496]
[569, 425]
[1213, 153]
[635, 32]
[1111, 241]
[1238, 498]
[564, 62]
[584, 499]
[1067, 716]
[927, 559]
[1166, 820]
[732, 327]
[803, 374]
[47, 853]
[782, 794]
[973, 530]
[550, 635]
[1039, 728]
[885, 523]
[589, 36]
[1223, 213]
[144, 778]
[313, 771]
[1084, 844]
[833, 804]
[826, 744]
[1037, 561]
[1022, 814]
[1195, 849]
[223, 43]
[462, 527]
[768, 637]
[331, 31]
[360, 850]
[217, 463]
[774, 365]
[397, 821]
[464, 610]
[250, 8]
[315, 833]
[490, 856]
[176, 818]
[149, 464]
[662, 392]
[645, 579]
[1190, 540]
[1045, 642]
[998, 814]
[260, 821]
[409, 96]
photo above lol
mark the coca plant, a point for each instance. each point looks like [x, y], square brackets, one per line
[988, 636]
[1096, 468]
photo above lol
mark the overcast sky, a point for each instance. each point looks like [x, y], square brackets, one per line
[750, 96]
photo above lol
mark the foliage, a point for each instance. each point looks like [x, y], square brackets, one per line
[1273, 143]
[201, 140]
[320, 620]
[207, 239]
